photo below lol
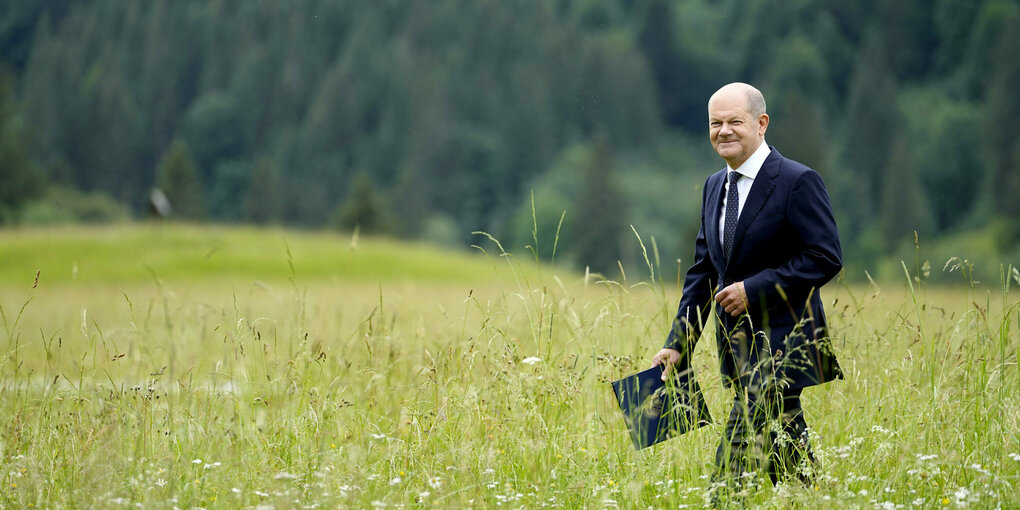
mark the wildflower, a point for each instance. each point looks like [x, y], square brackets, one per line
[424, 494]
[435, 482]
[928, 457]
[962, 494]
[395, 480]
[196, 461]
[531, 360]
[378, 504]
[1015, 456]
[161, 482]
[378, 436]
[283, 475]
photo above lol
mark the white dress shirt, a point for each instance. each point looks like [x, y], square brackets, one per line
[748, 171]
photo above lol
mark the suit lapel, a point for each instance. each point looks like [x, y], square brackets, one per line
[715, 197]
[763, 185]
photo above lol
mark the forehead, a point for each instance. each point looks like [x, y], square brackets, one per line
[727, 105]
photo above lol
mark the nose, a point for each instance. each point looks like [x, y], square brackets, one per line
[725, 129]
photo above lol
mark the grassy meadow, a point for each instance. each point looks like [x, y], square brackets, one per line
[180, 366]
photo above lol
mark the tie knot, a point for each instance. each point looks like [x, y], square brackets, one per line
[734, 177]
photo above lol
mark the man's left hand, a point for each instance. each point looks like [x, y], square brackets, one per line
[733, 299]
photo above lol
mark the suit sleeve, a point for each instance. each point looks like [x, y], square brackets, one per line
[696, 301]
[819, 258]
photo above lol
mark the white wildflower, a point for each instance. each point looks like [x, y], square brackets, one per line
[435, 482]
[395, 480]
[283, 475]
[531, 360]
[962, 494]
[196, 461]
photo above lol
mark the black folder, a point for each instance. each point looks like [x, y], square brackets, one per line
[655, 410]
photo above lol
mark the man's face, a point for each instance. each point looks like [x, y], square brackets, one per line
[735, 134]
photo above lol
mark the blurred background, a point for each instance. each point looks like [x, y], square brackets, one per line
[434, 119]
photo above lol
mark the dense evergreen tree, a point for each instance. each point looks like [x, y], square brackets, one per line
[261, 199]
[179, 180]
[20, 180]
[457, 109]
[363, 210]
[598, 223]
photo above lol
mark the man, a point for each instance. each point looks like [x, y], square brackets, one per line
[767, 243]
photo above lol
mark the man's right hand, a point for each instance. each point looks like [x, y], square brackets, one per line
[667, 358]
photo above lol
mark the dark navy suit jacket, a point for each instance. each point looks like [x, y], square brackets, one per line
[786, 247]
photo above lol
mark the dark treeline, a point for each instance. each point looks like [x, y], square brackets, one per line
[435, 119]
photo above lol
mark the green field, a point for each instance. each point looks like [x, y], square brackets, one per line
[215, 367]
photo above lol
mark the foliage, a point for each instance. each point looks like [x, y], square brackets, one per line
[457, 108]
[18, 172]
[62, 205]
[363, 210]
[179, 179]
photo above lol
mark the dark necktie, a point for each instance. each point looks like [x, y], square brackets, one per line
[732, 210]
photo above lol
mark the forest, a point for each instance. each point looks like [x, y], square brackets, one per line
[570, 126]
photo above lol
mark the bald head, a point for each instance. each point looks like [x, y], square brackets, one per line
[752, 97]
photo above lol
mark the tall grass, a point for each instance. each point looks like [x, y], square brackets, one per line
[241, 391]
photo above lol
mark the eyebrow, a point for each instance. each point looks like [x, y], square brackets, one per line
[732, 117]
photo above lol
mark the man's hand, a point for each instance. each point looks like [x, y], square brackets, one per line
[733, 299]
[667, 358]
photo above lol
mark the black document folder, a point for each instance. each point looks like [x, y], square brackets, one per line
[655, 410]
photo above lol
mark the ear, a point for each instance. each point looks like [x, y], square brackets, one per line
[763, 124]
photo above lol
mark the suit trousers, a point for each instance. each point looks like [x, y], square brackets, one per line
[765, 433]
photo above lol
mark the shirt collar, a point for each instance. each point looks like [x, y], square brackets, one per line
[753, 164]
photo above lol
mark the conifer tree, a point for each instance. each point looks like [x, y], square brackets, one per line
[599, 222]
[363, 209]
[178, 178]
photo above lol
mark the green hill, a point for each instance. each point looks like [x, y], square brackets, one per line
[139, 252]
